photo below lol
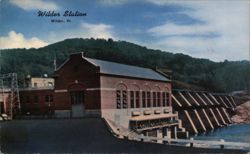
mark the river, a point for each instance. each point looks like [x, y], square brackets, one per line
[235, 133]
[232, 133]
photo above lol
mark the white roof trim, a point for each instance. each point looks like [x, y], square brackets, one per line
[62, 64]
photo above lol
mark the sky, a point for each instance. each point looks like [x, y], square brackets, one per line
[216, 30]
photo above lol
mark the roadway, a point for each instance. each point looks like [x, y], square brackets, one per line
[88, 135]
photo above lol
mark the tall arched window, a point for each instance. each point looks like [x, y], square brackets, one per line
[154, 99]
[134, 96]
[146, 96]
[121, 96]
[157, 96]
[166, 97]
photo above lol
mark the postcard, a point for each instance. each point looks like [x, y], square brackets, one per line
[123, 76]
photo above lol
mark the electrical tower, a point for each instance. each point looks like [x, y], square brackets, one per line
[9, 85]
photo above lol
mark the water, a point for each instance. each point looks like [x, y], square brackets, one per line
[232, 133]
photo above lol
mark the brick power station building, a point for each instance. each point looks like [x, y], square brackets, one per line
[132, 100]
[129, 97]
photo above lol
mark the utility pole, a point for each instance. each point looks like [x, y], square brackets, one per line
[15, 99]
[10, 84]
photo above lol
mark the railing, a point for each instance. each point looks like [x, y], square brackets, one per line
[198, 143]
[156, 125]
[181, 142]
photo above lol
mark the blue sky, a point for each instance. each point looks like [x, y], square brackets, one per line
[216, 30]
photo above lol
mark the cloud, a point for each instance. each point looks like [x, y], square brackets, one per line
[121, 2]
[162, 2]
[223, 34]
[114, 2]
[17, 40]
[97, 30]
[170, 29]
[28, 5]
[84, 30]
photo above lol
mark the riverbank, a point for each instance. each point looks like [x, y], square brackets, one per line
[242, 113]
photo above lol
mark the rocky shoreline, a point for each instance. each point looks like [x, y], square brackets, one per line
[242, 113]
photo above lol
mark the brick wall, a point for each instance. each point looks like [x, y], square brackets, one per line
[77, 74]
[109, 85]
[35, 101]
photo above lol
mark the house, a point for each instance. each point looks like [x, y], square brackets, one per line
[40, 82]
[36, 97]
[37, 101]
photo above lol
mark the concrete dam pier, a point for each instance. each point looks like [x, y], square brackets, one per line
[202, 111]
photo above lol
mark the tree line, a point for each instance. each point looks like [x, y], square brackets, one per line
[224, 76]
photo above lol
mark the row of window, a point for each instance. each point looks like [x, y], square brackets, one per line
[148, 99]
[27, 99]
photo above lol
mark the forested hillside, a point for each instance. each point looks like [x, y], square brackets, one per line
[221, 77]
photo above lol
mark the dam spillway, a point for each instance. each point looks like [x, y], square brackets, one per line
[202, 111]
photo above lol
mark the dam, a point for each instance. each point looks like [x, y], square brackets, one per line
[203, 111]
